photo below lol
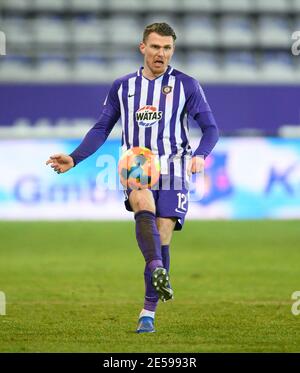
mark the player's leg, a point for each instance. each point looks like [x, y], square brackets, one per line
[148, 237]
[171, 208]
[161, 284]
[166, 227]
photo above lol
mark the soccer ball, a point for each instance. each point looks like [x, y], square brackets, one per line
[139, 168]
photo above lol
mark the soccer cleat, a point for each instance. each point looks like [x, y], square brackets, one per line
[145, 325]
[160, 281]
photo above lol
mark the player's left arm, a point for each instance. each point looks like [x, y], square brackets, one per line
[198, 107]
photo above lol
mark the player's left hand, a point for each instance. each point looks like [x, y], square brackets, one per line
[196, 165]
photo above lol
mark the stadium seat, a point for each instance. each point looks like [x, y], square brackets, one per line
[121, 5]
[279, 6]
[274, 31]
[159, 5]
[199, 31]
[88, 30]
[239, 66]
[203, 66]
[236, 5]
[17, 31]
[124, 62]
[277, 67]
[87, 5]
[199, 5]
[201, 27]
[52, 68]
[15, 68]
[19, 5]
[121, 69]
[91, 67]
[50, 30]
[49, 5]
[295, 5]
[123, 30]
[236, 31]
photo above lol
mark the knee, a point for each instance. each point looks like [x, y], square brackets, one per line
[141, 200]
[144, 205]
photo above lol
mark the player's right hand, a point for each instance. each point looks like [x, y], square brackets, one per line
[60, 162]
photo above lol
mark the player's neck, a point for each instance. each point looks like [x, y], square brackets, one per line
[147, 73]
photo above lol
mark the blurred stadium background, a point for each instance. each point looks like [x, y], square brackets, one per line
[61, 57]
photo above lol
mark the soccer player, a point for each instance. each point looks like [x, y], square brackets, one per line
[172, 96]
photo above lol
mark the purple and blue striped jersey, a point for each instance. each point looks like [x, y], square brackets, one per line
[154, 115]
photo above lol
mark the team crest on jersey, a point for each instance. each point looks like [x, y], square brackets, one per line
[148, 115]
[166, 89]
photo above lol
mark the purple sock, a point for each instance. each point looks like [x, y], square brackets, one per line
[165, 257]
[151, 297]
[148, 238]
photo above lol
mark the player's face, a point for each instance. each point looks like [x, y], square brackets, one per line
[157, 51]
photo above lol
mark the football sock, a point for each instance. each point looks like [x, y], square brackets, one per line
[148, 238]
[147, 313]
[151, 297]
[165, 253]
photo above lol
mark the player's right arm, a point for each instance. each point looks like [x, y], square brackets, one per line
[96, 136]
[60, 162]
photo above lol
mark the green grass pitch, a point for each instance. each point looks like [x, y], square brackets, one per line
[78, 287]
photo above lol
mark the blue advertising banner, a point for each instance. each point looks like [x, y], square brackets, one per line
[245, 178]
